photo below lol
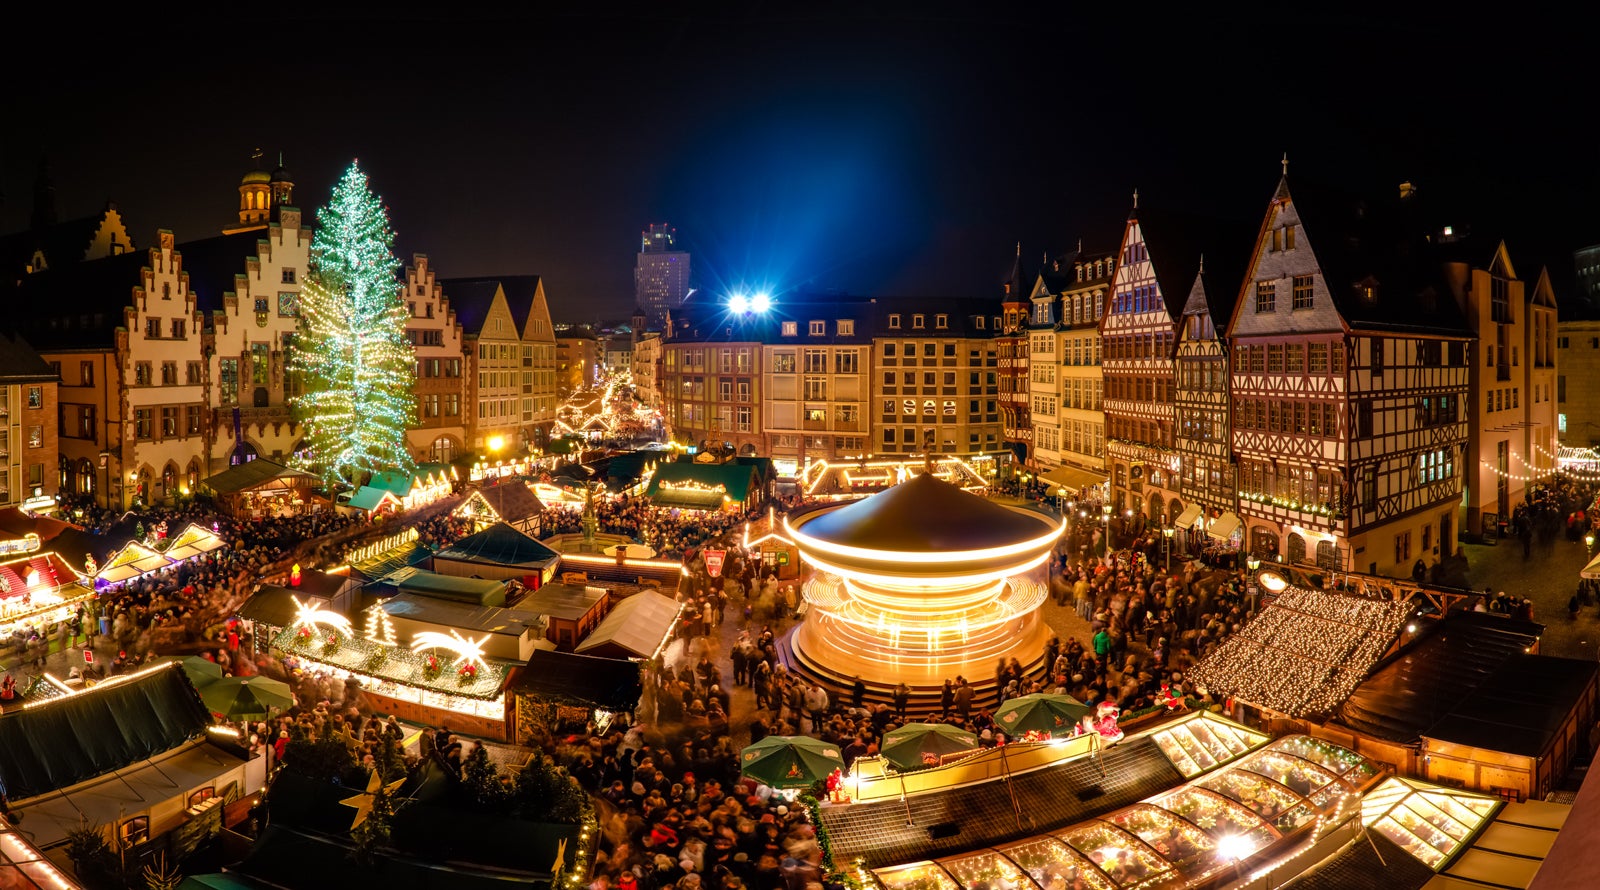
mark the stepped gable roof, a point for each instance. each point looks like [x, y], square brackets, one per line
[63, 243]
[924, 514]
[1358, 241]
[1176, 242]
[215, 264]
[470, 299]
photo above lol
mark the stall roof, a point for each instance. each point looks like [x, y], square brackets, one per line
[735, 479]
[390, 561]
[565, 601]
[109, 727]
[1519, 708]
[1305, 652]
[283, 857]
[370, 498]
[1421, 683]
[1372, 862]
[273, 604]
[478, 591]
[637, 625]
[23, 867]
[138, 785]
[500, 545]
[610, 683]
[258, 473]
[446, 613]
[18, 524]
[510, 499]
[193, 541]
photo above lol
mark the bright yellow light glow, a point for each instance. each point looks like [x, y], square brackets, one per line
[810, 543]
[466, 651]
[497, 442]
[308, 614]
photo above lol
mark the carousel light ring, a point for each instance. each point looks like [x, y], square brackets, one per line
[466, 651]
[920, 582]
[309, 614]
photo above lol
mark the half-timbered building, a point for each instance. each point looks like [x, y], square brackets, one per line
[1205, 477]
[1155, 269]
[1069, 299]
[1348, 381]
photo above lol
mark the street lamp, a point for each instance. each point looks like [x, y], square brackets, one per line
[1106, 511]
[1252, 562]
[1166, 532]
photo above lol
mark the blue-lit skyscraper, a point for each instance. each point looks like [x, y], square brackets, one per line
[661, 273]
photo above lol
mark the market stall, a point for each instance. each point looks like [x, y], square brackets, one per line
[260, 488]
[639, 627]
[499, 552]
[132, 560]
[400, 490]
[1258, 812]
[512, 501]
[195, 540]
[692, 485]
[563, 690]
[37, 590]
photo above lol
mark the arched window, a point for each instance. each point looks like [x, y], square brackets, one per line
[1297, 549]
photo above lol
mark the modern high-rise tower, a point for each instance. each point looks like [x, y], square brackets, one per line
[661, 273]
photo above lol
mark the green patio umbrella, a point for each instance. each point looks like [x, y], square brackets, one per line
[240, 697]
[201, 671]
[1042, 712]
[789, 761]
[913, 745]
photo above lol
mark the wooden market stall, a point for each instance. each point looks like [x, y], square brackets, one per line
[259, 488]
[511, 501]
[563, 690]
[499, 552]
[638, 627]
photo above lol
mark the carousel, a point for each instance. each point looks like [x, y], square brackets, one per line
[921, 583]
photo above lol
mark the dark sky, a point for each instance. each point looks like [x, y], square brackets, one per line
[860, 147]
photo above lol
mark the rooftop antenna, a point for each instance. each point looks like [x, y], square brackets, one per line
[1135, 199]
[1285, 163]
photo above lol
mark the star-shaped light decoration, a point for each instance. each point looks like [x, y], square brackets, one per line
[364, 801]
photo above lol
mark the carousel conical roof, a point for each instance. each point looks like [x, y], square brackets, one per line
[925, 514]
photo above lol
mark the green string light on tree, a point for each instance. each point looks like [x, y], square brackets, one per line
[351, 356]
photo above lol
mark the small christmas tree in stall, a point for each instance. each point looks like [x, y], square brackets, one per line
[354, 365]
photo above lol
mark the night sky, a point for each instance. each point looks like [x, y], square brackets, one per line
[863, 148]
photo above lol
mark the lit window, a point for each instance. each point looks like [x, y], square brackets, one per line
[791, 328]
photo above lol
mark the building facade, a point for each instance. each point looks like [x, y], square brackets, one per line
[577, 360]
[1511, 439]
[1138, 335]
[1205, 476]
[1012, 347]
[816, 385]
[1066, 387]
[30, 452]
[711, 388]
[935, 383]
[1577, 403]
[660, 273]
[440, 435]
[1348, 382]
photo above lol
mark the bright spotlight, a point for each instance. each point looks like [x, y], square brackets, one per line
[739, 303]
[761, 302]
[1234, 847]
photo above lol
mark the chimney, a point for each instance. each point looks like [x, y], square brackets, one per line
[1407, 190]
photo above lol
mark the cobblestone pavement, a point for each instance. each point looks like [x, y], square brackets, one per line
[1548, 576]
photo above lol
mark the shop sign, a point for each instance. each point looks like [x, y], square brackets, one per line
[28, 543]
[714, 560]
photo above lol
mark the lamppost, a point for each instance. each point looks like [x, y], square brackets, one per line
[1166, 532]
[1106, 511]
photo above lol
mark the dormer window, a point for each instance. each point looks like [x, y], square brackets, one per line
[817, 328]
[894, 321]
[918, 321]
[1080, 271]
[977, 322]
[941, 321]
[846, 327]
[791, 328]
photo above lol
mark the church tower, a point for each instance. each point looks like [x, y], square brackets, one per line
[261, 194]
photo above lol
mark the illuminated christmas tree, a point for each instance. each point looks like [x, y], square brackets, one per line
[354, 364]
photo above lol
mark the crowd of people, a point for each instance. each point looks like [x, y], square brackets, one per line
[671, 531]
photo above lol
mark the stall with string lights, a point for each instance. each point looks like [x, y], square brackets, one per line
[38, 587]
